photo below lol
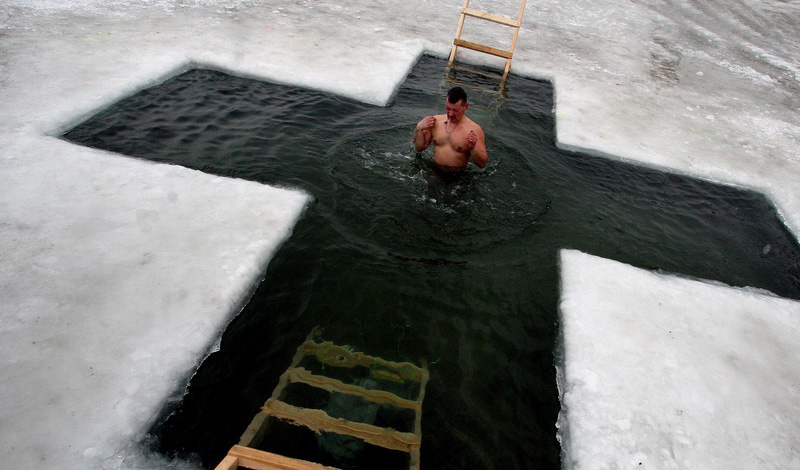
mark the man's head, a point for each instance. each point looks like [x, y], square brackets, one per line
[456, 94]
[456, 104]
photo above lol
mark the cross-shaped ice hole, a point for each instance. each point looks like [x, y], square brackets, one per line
[405, 263]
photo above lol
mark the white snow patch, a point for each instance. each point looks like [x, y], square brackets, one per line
[665, 372]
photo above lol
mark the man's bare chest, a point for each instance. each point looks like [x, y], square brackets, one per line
[455, 139]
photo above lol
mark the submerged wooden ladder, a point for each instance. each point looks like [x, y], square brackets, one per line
[244, 455]
[505, 54]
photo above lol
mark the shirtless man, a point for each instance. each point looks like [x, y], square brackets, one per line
[456, 138]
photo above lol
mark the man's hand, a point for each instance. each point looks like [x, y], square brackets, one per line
[472, 139]
[426, 123]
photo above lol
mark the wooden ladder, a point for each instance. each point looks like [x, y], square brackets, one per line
[244, 455]
[505, 54]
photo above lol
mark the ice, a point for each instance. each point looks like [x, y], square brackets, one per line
[665, 372]
[116, 275]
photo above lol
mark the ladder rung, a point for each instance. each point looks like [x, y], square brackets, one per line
[381, 397]
[319, 420]
[337, 356]
[476, 71]
[246, 457]
[481, 48]
[491, 17]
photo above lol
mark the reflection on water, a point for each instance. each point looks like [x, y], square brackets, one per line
[406, 263]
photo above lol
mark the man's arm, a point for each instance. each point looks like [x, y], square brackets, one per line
[477, 142]
[423, 134]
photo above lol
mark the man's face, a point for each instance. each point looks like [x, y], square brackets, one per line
[455, 111]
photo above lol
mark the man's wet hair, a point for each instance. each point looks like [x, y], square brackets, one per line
[456, 94]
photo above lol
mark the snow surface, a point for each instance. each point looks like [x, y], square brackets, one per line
[673, 373]
[117, 275]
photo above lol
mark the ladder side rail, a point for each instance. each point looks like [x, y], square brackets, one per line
[418, 416]
[415, 458]
[458, 32]
[516, 30]
[511, 50]
[255, 431]
[521, 11]
[514, 40]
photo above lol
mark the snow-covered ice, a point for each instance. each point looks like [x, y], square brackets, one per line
[116, 275]
[673, 373]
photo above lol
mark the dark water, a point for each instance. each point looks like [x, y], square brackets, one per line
[405, 263]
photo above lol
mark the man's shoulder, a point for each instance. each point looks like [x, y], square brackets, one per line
[474, 125]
